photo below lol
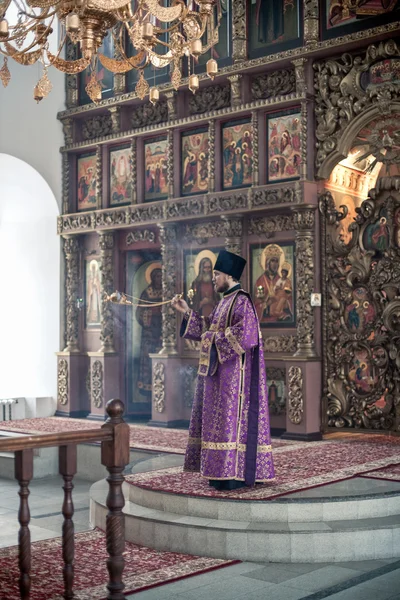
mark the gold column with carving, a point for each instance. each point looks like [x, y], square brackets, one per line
[133, 165]
[65, 183]
[239, 30]
[304, 223]
[236, 89]
[115, 112]
[233, 231]
[311, 23]
[170, 163]
[168, 238]
[99, 177]
[171, 97]
[211, 156]
[72, 258]
[254, 124]
[106, 243]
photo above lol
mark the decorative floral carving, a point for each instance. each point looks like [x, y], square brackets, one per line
[97, 127]
[273, 84]
[159, 387]
[220, 204]
[188, 375]
[149, 114]
[106, 243]
[211, 156]
[71, 253]
[295, 395]
[213, 97]
[62, 382]
[99, 176]
[184, 208]
[140, 235]
[97, 384]
[109, 218]
[282, 195]
[202, 232]
[266, 226]
[280, 343]
[340, 96]
[168, 238]
[142, 214]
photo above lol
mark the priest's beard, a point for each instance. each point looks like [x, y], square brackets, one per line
[224, 287]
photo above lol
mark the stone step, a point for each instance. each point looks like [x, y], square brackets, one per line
[257, 540]
[279, 510]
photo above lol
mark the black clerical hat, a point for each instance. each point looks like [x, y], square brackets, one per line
[229, 263]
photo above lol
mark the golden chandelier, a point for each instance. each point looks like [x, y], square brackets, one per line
[160, 36]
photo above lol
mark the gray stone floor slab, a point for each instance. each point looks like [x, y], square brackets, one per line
[272, 574]
[322, 578]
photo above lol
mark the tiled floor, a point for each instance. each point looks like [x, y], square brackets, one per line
[369, 580]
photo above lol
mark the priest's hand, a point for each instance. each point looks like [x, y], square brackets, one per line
[179, 304]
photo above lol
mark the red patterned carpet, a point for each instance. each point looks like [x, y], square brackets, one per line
[142, 437]
[298, 467]
[144, 568]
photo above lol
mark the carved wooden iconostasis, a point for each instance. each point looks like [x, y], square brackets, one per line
[151, 193]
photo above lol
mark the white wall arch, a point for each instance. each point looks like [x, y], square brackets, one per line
[29, 282]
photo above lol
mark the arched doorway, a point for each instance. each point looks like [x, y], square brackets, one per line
[29, 282]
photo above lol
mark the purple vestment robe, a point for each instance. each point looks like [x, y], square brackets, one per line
[229, 434]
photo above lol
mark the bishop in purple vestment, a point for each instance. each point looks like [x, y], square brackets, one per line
[229, 433]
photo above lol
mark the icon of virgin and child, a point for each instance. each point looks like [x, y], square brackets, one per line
[273, 290]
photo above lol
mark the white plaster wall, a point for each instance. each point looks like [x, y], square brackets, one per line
[30, 200]
[29, 282]
[31, 131]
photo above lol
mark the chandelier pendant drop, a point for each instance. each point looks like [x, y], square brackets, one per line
[159, 37]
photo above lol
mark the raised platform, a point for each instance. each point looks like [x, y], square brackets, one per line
[360, 522]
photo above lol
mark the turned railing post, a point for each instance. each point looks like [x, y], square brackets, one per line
[23, 474]
[67, 462]
[115, 457]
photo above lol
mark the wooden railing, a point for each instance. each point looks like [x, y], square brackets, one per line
[114, 438]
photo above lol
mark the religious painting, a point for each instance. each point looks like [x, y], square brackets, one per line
[199, 289]
[341, 17]
[360, 371]
[360, 312]
[120, 176]
[103, 76]
[221, 51]
[273, 26]
[284, 146]
[194, 162]
[376, 235]
[86, 182]
[276, 383]
[237, 164]
[341, 232]
[144, 322]
[156, 169]
[273, 284]
[92, 294]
